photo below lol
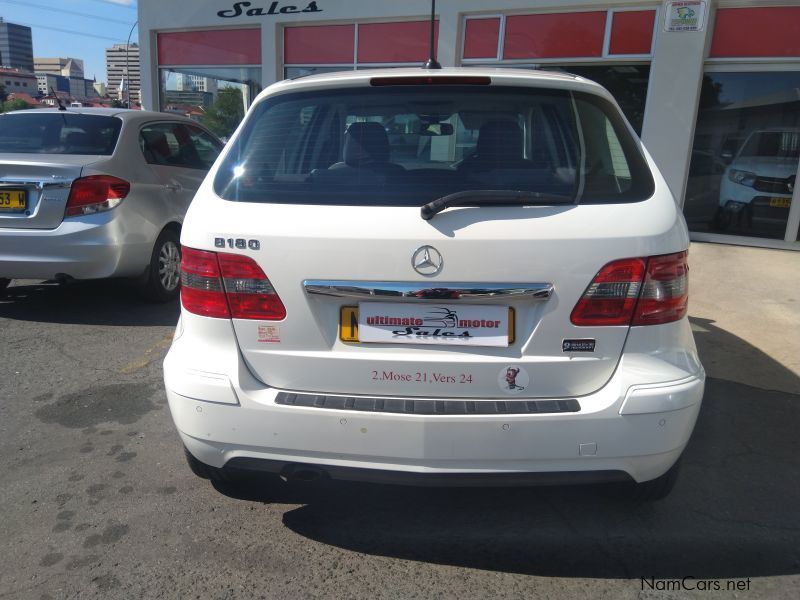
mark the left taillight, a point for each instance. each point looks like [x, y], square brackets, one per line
[227, 285]
[95, 193]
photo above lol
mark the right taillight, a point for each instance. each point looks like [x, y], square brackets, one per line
[636, 291]
[665, 294]
[227, 285]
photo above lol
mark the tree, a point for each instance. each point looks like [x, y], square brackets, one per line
[16, 104]
[3, 94]
[224, 115]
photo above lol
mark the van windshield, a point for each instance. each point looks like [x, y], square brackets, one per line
[58, 133]
[773, 144]
[407, 145]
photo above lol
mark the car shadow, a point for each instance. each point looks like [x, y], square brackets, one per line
[102, 302]
[733, 513]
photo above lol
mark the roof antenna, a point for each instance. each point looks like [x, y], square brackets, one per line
[432, 63]
[60, 106]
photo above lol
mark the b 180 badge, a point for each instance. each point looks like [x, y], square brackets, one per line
[238, 243]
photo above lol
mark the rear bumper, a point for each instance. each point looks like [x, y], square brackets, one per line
[90, 247]
[632, 426]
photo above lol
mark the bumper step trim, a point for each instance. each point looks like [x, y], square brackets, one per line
[429, 407]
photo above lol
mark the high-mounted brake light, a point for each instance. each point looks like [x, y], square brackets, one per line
[431, 80]
[636, 291]
[227, 285]
[95, 193]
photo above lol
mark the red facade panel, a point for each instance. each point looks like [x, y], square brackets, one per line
[632, 32]
[480, 38]
[210, 47]
[325, 44]
[557, 35]
[407, 41]
[743, 32]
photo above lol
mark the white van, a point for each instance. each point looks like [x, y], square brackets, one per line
[464, 276]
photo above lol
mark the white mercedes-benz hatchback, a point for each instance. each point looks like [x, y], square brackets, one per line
[459, 276]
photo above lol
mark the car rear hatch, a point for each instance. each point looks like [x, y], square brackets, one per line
[41, 154]
[475, 302]
[34, 193]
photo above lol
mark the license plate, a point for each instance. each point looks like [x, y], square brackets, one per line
[780, 202]
[13, 200]
[431, 324]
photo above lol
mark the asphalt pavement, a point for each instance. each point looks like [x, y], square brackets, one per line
[96, 500]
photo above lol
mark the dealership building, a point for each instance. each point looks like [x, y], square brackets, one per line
[711, 86]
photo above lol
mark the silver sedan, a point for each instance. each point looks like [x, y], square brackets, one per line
[96, 193]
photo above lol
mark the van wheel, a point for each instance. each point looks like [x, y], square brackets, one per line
[658, 488]
[163, 282]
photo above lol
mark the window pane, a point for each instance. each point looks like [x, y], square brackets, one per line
[58, 133]
[745, 155]
[627, 83]
[170, 144]
[215, 97]
[413, 144]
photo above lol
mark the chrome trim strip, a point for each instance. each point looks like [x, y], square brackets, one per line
[39, 185]
[378, 290]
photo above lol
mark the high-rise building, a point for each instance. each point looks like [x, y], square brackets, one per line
[67, 67]
[195, 83]
[16, 46]
[122, 63]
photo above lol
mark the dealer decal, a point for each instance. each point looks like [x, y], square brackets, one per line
[411, 323]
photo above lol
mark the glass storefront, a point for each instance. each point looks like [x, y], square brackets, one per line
[627, 83]
[217, 97]
[745, 156]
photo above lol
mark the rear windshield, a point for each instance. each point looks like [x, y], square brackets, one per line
[58, 133]
[407, 145]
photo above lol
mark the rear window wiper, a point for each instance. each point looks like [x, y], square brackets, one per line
[491, 198]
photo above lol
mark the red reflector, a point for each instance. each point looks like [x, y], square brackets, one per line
[95, 193]
[665, 293]
[431, 80]
[611, 297]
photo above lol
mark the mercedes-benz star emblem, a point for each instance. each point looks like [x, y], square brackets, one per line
[427, 261]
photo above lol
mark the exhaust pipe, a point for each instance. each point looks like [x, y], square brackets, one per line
[304, 473]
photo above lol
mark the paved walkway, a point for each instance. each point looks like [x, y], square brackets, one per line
[744, 304]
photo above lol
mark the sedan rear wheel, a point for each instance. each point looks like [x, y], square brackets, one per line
[164, 276]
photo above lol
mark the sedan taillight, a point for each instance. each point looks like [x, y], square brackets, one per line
[227, 285]
[95, 193]
[636, 291]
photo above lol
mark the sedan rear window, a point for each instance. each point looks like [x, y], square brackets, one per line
[58, 133]
[407, 145]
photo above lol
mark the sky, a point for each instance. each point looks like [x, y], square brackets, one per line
[75, 28]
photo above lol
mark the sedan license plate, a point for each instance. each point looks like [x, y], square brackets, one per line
[780, 202]
[439, 324]
[13, 200]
